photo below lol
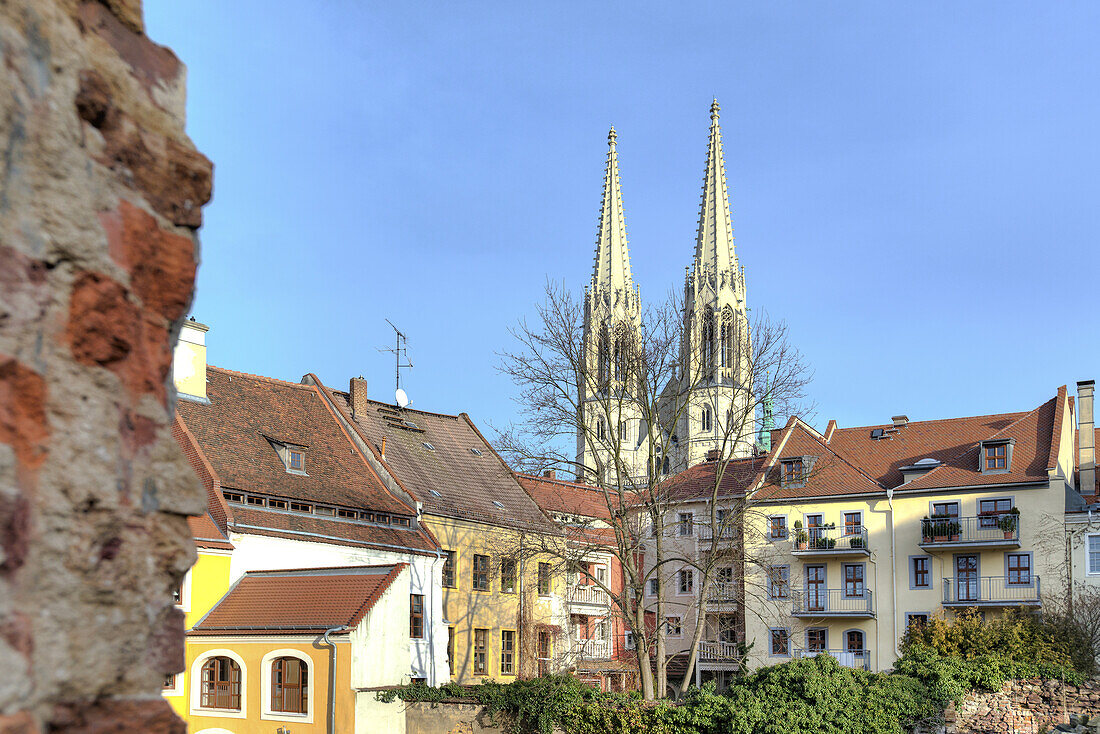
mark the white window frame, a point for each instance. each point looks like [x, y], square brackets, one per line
[177, 687]
[652, 590]
[265, 687]
[680, 582]
[628, 640]
[1089, 540]
[196, 686]
[679, 623]
[185, 593]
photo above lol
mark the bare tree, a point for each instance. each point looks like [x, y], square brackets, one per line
[654, 379]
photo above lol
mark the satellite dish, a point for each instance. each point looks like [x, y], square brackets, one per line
[401, 397]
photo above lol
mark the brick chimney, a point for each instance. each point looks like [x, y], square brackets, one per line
[550, 474]
[357, 389]
[1086, 437]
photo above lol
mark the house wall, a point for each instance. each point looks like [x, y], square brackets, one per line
[206, 583]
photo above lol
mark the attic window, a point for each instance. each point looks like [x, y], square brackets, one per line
[256, 501]
[435, 494]
[277, 504]
[301, 507]
[475, 452]
[295, 460]
[350, 514]
[428, 446]
[498, 504]
[411, 425]
[402, 521]
[793, 471]
[233, 496]
[996, 456]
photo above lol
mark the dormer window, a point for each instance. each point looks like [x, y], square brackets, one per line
[292, 455]
[295, 460]
[793, 471]
[996, 456]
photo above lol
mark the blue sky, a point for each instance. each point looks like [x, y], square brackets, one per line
[914, 186]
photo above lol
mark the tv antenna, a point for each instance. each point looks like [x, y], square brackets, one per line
[400, 351]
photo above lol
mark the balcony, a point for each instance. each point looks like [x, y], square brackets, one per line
[722, 592]
[847, 658]
[983, 531]
[725, 533]
[820, 603]
[589, 594]
[711, 650]
[818, 542]
[991, 591]
[591, 649]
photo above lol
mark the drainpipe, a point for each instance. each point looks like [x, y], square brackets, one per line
[893, 570]
[332, 677]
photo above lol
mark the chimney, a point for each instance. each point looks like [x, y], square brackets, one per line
[357, 389]
[189, 360]
[714, 454]
[550, 474]
[899, 420]
[1086, 438]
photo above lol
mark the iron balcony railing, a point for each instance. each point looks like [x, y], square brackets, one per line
[815, 602]
[991, 590]
[591, 649]
[722, 591]
[725, 532]
[847, 658]
[981, 530]
[830, 540]
[714, 650]
[586, 594]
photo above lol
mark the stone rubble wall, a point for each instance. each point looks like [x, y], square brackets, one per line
[1023, 707]
[101, 194]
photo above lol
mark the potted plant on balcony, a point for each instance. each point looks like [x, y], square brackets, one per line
[856, 541]
[953, 528]
[799, 535]
[926, 529]
[939, 528]
[1008, 522]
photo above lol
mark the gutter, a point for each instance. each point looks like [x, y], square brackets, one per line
[332, 676]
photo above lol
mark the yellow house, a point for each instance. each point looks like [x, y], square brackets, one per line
[504, 618]
[856, 533]
[302, 650]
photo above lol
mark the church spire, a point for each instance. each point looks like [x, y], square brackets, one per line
[714, 242]
[612, 268]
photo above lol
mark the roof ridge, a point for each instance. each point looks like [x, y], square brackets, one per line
[381, 589]
[1016, 413]
[333, 569]
[825, 445]
[261, 378]
[555, 480]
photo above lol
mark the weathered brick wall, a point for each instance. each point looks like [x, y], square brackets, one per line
[1024, 707]
[100, 196]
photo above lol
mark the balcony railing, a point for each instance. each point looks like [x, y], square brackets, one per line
[713, 650]
[591, 649]
[847, 658]
[587, 594]
[725, 532]
[831, 603]
[721, 591]
[996, 591]
[830, 541]
[983, 530]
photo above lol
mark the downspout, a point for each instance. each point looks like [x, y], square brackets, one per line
[332, 676]
[893, 571]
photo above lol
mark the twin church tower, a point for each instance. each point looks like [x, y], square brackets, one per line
[704, 406]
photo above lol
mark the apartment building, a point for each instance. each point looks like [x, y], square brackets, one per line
[859, 532]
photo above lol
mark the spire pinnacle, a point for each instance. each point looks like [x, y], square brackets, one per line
[714, 253]
[612, 268]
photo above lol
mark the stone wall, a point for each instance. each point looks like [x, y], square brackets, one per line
[100, 196]
[1023, 707]
[447, 717]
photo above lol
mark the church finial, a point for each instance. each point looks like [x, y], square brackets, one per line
[611, 136]
[714, 109]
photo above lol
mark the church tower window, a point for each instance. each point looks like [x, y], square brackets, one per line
[706, 346]
[707, 418]
[728, 353]
[603, 359]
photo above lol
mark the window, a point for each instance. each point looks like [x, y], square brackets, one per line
[600, 431]
[724, 575]
[945, 509]
[481, 641]
[1093, 553]
[476, 452]
[416, 616]
[350, 514]
[169, 682]
[727, 628]
[853, 523]
[779, 582]
[1018, 566]
[707, 418]
[221, 684]
[449, 569]
[628, 640]
[664, 465]
[289, 685]
[507, 652]
[508, 576]
[258, 501]
[451, 650]
[792, 471]
[853, 579]
[687, 581]
[673, 627]
[989, 511]
[727, 356]
[816, 640]
[277, 504]
[481, 573]
[233, 496]
[427, 445]
[921, 576]
[707, 344]
[301, 507]
[915, 620]
[296, 460]
[622, 430]
[544, 579]
[996, 456]
[780, 642]
[855, 644]
[686, 523]
[653, 586]
[777, 527]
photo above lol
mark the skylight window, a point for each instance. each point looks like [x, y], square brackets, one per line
[498, 504]
[435, 494]
[411, 425]
[428, 446]
[475, 452]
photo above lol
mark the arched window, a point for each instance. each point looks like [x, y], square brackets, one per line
[855, 642]
[221, 684]
[289, 685]
[664, 465]
[622, 354]
[706, 346]
[708, 418]
[728, 336]
[603, 359]
[600, 431]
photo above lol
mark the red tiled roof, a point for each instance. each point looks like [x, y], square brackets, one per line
[468, 483]
[697, 482]
[331, 530]
[246, 410]
[574, 498]
[298, 601]
[207, 534]
[829, 474]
